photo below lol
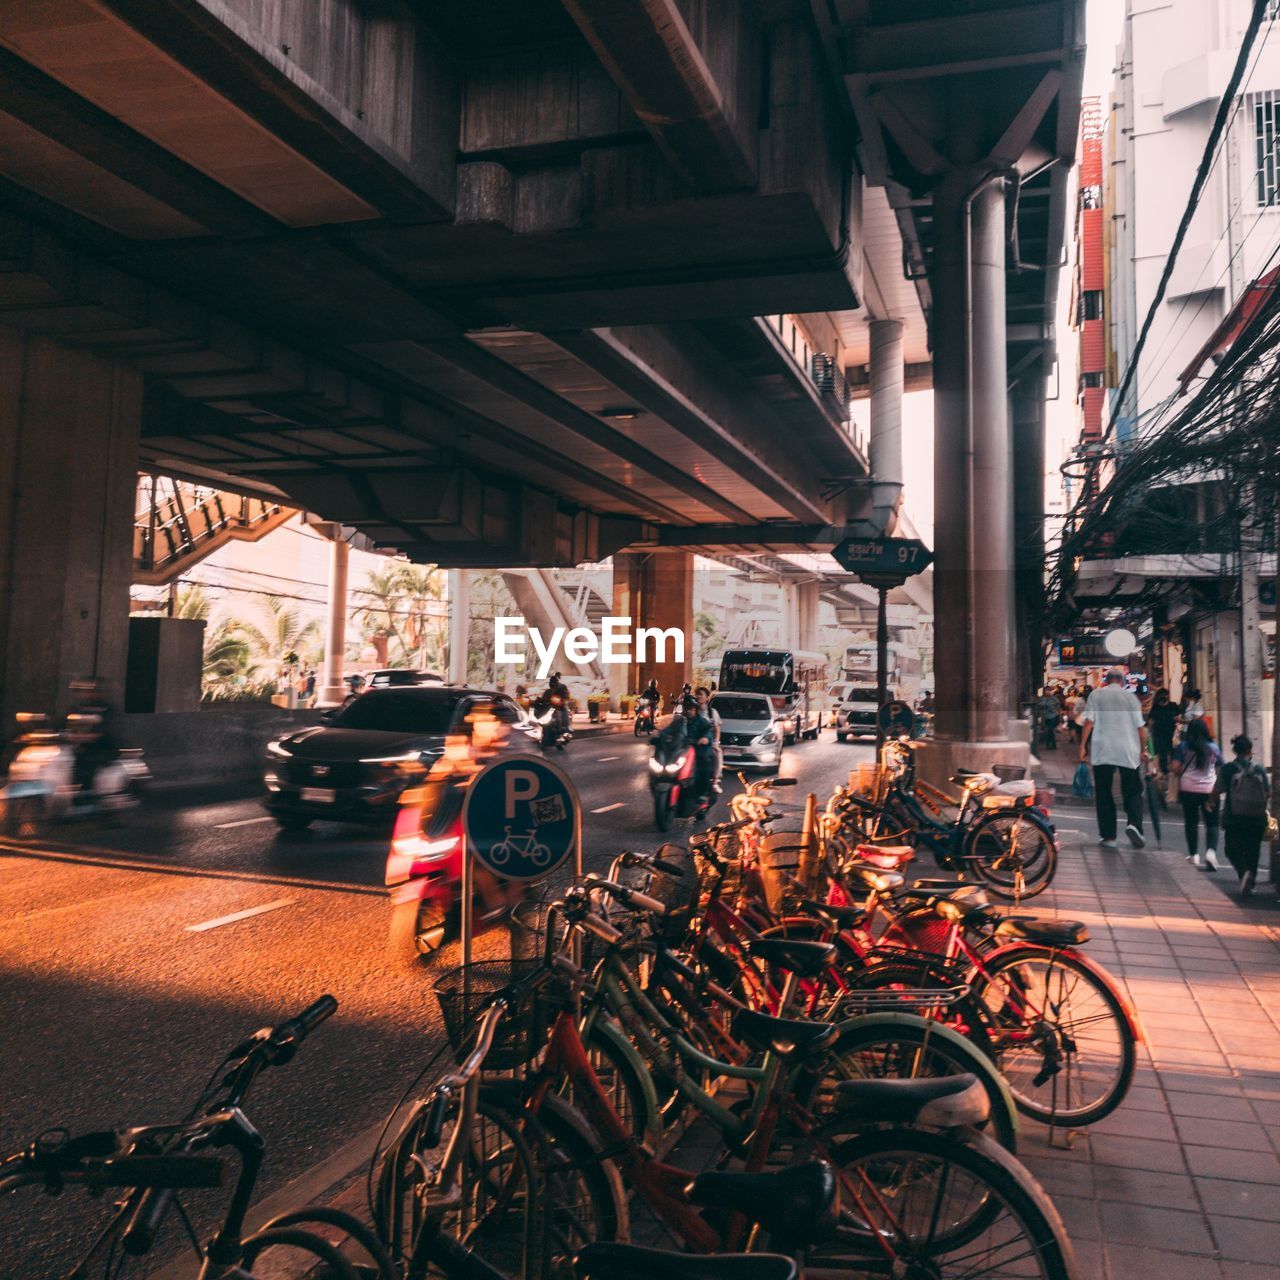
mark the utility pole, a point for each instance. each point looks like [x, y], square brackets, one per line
[882, 663]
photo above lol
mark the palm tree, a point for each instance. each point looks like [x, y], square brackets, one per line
[378, 616]
[228, 656]
[282, 630]
[420, 587]
[193, 602]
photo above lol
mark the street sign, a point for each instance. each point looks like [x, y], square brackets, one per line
[520, 818]
[895, 718]
[888, 560]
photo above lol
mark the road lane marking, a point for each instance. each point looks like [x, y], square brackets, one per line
[606, 759]
[240, 915]
[243, 822]
[609, 808]
[114, 860]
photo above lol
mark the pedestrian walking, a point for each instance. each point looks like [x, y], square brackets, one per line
[1192, 707]
[1244, 788]
[1164, 722]
[1115, 744]
[1196, 762]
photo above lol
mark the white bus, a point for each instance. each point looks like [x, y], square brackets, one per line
[795, 681]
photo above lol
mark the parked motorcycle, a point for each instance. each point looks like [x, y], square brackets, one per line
[550, 712]
[673, 782]
[41, 786]
[646, 719]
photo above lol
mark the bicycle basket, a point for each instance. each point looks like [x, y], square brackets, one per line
[727, 877]
[465, 992]
[678, 894]
[780, 855]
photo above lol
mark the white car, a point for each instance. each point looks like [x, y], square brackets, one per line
[856, 713]
[751, 735]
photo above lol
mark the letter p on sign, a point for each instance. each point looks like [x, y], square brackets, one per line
[521, 786]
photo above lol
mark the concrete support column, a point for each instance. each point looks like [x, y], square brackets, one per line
[991, 501]
[655, 589]
[973, 486]
[459, 624]
[887, 380]
[807, 604]
[335, 641]
[790, 615]
[69, 429]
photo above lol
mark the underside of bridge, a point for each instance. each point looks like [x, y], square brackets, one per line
[504, 284]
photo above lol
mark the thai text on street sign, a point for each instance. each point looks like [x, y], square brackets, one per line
[873, 559]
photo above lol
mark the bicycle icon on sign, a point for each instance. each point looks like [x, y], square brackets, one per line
[522, 846]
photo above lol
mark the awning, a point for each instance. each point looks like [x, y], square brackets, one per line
[1232, 325]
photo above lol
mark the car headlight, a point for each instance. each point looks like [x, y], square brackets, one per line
[279, 750]
[768, 737]
[407, 757]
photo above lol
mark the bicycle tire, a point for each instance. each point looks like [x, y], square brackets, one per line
[327, 1216]
[887, 1045]
[336, 1266]
[619, 1064]
[1029, 876]
[1049, 1112]
[400, 1216]
[1003, 1183]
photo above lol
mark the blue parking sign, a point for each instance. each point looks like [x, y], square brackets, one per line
[520, 818]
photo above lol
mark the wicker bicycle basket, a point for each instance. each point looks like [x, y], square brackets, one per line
[466, 992]
[779, 858]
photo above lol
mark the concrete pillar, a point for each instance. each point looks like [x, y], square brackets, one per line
[1027, 418]
[69, 429]
[887, 380]
[807, 605]
[790, 637]
[655, 589]
[459, 624]
[973, 485]
[335, 643]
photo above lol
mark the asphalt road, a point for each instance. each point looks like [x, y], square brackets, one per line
[115, 1006]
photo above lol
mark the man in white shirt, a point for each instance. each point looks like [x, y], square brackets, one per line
[1114, 742]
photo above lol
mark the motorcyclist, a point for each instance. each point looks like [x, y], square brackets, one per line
[712, 716]
[556, 688]
[651, 695]
[699, 734]
[96, 725]
[678, 699]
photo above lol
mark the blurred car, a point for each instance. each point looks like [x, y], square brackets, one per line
[353, 766]
[856, 713]
[398, 677]
[751, 733]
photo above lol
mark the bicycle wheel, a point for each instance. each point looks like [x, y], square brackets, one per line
[493, 1217]
[943, 1206]
[1051, 1009]
[363, 1237]
[294, 1254]
[619, 1073]
[1014, 857]
[902, 1046]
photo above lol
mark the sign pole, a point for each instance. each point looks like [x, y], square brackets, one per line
[882, 664]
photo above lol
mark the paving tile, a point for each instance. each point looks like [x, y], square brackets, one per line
[1132, 1262]
[1241, 1271]
[1237, 1199]
[1224, 1162]
[1079, 1215]
[1141, 1186]
[1140, 1153]
[1137, 1124]
[1155, 1226]
[1240, 1136]
[1247, 1240]
[1209, 1106]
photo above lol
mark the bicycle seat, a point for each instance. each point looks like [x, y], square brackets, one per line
[870, 878]
[937, 882]
[806, 959]
[798, 1204]
[836, 917]
[786, 1036]
[631, 1262]
[943, 1103]
[949, 891]
[1048, 933]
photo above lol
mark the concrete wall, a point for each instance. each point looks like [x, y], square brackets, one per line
[215, 745]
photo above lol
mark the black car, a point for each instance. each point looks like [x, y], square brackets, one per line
[354, 765]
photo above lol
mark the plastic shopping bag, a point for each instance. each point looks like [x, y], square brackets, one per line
[1082, 783]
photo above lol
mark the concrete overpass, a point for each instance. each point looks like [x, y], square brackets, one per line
[506, 284]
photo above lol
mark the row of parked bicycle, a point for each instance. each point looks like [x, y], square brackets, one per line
[856, 1051]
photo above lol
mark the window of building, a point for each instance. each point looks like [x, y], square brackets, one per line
[1266, 118]
[1091, 301]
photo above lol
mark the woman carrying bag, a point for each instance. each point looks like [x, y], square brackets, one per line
[1244, 816]
[1196, 762]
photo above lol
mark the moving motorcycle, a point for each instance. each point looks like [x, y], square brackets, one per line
[41, 786]
[550, 712]
[646, 718]
[673, 769]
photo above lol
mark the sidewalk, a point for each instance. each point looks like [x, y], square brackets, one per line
[1183, 1181]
